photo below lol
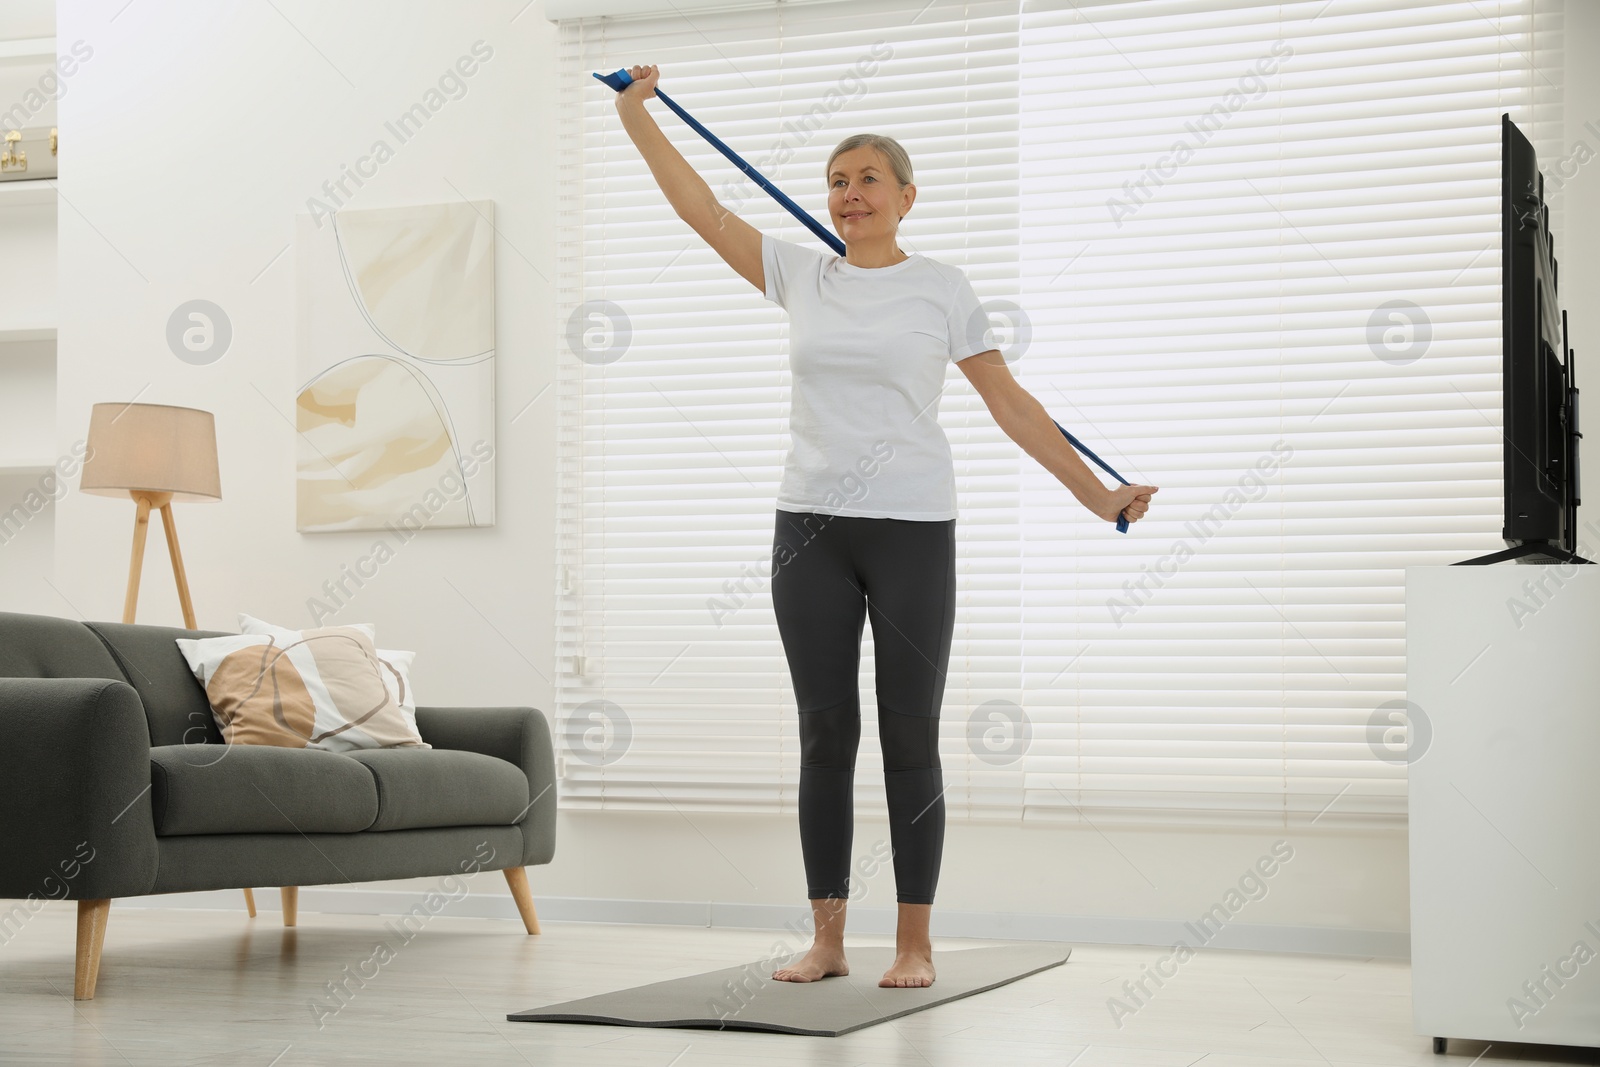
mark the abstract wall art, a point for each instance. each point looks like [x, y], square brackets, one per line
[394, 407]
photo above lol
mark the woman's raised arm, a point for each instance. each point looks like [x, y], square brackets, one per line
[734, 239]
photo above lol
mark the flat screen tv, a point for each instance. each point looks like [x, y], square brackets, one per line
[1540, 398]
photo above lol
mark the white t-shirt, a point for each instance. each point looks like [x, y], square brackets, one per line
[868, 348]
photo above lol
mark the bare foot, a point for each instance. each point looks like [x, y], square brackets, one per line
[820, 962]
[909, 969]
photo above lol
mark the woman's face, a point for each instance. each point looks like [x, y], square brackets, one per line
[863, 196]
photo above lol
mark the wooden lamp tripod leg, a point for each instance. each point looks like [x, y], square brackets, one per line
[148, 500]
[171, 529]
[141, 526]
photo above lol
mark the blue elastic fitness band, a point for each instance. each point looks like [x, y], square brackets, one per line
[622, 79]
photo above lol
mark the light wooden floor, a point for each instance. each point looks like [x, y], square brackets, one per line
[211, 987]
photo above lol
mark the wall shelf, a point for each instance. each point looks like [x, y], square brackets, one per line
[34, 332]
[29, 48]
[29, 213]
[28, 192]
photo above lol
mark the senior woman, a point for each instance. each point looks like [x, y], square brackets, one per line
[866, 510]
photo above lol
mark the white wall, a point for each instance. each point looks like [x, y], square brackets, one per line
[198, 130]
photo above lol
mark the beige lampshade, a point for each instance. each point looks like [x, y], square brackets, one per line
[155, 447]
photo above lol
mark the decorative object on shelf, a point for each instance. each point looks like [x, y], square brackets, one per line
[155, 453]
[395, 335]
[29, 153]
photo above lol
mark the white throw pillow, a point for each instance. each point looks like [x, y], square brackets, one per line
[397, 677]
[320, 688]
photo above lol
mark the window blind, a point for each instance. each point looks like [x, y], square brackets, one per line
[1250, 252]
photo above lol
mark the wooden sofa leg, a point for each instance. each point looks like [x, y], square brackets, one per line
[92, 916]
[517, 879]
[250, 901]
[291, 903]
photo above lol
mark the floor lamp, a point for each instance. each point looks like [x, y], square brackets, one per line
[155, 453]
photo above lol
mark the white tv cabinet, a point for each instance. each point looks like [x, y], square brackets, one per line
[1503, 672]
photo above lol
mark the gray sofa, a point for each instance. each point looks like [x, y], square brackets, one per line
[115, 782]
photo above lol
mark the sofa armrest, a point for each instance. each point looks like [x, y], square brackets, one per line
[520, 736]
[75, 813]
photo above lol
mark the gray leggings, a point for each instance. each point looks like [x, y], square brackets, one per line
[830, 572]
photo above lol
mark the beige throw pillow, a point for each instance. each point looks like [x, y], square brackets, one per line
[396, 664]
[324, 688]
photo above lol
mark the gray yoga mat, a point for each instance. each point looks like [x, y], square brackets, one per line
[747, 997]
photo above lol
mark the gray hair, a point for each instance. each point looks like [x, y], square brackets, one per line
[899, 160]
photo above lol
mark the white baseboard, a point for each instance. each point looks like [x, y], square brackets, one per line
[789, 919]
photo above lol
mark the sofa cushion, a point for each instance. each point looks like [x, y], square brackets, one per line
[420, 788]
[259, 789]
[174, 702]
